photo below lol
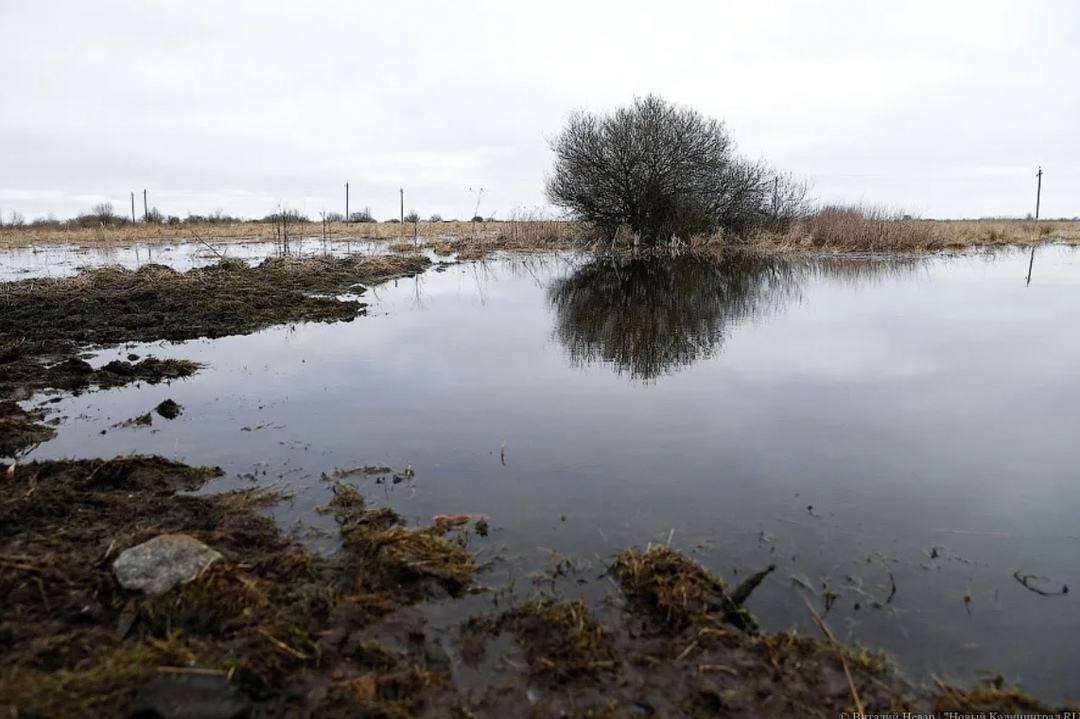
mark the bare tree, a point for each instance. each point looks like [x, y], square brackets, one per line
[104, 213]
[661, 170]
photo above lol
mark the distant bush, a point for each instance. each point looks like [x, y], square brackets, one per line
[47, 221]
[334, 217]
[412, 217]
[363, 215]
[477, 218]
[287, 216]
[218, 217]
[435, 218]
[173, 221]
[393, 220]
[100, 215]
[15, 219]
[154, 217]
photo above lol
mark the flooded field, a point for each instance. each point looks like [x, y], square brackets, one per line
[897, 437]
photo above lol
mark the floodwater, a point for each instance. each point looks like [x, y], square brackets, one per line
[181, 254]
[898, 438]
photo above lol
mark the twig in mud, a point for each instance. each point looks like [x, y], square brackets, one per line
[892, 592]
[283, 646]
[843, 661]
[194, 671]
[208, 246]
[717, 668]
[1023, 579]
[743, 591]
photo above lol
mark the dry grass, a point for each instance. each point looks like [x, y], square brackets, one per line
[839, 228]
[858, 228]
[525, 233]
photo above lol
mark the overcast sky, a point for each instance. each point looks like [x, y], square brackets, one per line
[941, 109]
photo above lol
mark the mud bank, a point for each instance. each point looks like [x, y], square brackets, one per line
[46, 325]
[111, 305]
[273, 630]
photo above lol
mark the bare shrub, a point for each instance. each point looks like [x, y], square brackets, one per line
[664, 170]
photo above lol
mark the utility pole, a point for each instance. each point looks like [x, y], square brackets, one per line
[133, 207]
[346, 203]
[145, 208]
[402, 191]
[1038, 200]
[1038, 192]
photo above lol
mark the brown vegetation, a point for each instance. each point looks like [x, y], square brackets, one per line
[848, 228]
[113, 304]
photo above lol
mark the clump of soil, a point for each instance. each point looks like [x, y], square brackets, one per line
[169, 409]
[280, 623]
[112, 304]
[55, 364]
[272, 629]
[20, 429]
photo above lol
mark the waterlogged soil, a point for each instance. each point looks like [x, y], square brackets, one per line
[274, 630]
[111, 305]
[47, 324]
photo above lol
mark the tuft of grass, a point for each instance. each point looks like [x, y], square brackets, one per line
[389, 555]
[675, 591]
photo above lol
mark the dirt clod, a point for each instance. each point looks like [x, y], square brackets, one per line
[169, 409]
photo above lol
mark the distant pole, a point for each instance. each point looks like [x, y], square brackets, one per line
[346, 203]
[1038, 200]
[402, 192]
[145, 208]
[133, 207]
[1038, 192]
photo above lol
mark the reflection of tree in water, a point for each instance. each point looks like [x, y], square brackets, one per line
[653, 316]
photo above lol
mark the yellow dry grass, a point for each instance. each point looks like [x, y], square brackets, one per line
[517, 233]
[839, 229]
[860, 229]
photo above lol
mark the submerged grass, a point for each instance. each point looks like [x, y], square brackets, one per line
[20, 429]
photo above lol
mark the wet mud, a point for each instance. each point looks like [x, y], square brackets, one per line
[275, 630]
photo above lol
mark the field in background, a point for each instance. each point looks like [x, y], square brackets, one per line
[839, 228]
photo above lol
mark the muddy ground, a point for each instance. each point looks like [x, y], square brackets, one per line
[273, 630]
[397, 623]
[111, 305]
[47, 325]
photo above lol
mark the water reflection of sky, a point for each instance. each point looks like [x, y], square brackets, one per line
[921, 407]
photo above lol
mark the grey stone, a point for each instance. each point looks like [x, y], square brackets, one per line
[191, 697]
[158, 565]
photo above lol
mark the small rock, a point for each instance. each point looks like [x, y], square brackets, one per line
[133, 358]
[191, 696]
[169, 409]
[163, 562]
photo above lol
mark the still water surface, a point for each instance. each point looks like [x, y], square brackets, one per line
[862, 425]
